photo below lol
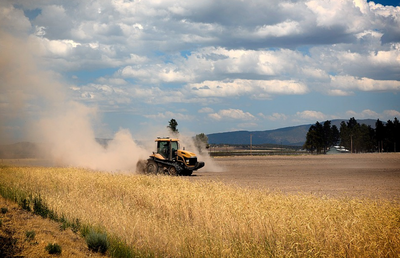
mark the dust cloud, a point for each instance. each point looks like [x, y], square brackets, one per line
[34, 106]
[202, 154]
[73, 141]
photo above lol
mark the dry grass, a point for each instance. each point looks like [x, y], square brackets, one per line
[172, 217]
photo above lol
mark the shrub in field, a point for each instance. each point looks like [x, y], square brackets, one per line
[4, 210]
[30, 235]
[64, 225]
[1, 223]
[97, 242]
[75, 225]
[25, 204]
[39, 208]
[53, 249]
[120, 249]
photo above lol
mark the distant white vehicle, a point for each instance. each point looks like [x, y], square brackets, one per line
[341, 149]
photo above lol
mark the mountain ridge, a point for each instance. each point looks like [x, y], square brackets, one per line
[292, 135]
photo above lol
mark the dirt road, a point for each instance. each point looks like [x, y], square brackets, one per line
[355, 175]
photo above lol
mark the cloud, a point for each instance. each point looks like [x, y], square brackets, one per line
[370, 114]
[311, 115]
[123, 55]
[206, 110]
[367, 113]
[364, 84]
[246, 87]
[157, 73]
[170, 115]
[274, 116]
[231, 114]
[391, 114]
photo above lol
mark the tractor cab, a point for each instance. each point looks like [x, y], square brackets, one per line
[167, 147]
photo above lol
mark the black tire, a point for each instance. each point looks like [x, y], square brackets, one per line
[172, 171]
[187, 172]
[152, 167]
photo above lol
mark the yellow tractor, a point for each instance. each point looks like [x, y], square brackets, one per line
[169, 159]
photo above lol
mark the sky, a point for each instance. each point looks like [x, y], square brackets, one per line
[213, 66]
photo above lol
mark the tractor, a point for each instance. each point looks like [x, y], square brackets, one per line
[170, 160]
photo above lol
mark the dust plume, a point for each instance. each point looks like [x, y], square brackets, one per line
[202, 153]
[34, 106]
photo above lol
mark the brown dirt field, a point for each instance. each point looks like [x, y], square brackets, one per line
[14, 243]
[374, 175]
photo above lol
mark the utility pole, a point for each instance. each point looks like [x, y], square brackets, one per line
[351, 143]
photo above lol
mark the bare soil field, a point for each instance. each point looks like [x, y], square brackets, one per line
[374, 175]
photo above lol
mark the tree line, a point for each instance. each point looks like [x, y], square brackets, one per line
[355, 137]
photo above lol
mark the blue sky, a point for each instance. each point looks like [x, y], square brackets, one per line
[214, 66]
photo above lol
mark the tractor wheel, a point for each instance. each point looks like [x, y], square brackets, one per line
[152, 167]
[172, 171]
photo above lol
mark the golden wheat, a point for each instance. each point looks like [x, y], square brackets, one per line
[170, 216]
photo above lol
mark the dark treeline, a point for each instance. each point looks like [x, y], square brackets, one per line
[354, 137]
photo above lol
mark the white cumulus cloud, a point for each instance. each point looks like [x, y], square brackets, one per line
[228, 114]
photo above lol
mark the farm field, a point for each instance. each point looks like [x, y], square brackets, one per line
[271, 206]
[372, 175]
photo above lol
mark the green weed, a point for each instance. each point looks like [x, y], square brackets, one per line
[97, 241]
[53, 249]
[4, 210]
[30, 235]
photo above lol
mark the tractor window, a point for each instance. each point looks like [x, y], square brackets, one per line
[163, 149]
[174, 148]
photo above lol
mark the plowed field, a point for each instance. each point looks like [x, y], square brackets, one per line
[355, 175]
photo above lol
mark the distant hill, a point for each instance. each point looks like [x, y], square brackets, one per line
[295, 135]
[21, 150]
[24, 150]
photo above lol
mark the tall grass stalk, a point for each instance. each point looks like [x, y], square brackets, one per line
[170, 216]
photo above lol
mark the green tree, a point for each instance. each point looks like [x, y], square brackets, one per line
[380, 134]
[348, 134]
[321, 136]
[314, 138]
[327, 135]
[201, 142]
[366, 141]
[356, 137]
[344, 135]
[335, 135]
[392, 135]
[173, 126]
[396, 144]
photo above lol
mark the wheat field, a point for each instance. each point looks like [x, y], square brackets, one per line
[165, 216]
